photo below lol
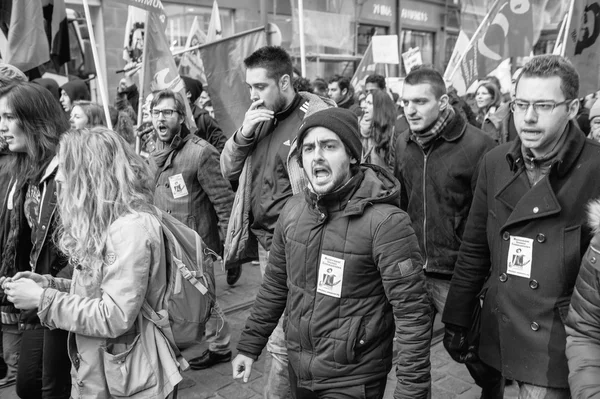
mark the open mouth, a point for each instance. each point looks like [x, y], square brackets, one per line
[321, 173]
[162, 129]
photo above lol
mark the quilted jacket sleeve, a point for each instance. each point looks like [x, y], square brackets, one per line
[396, 252]
[583, 329]
[234, 154]
[270, 301]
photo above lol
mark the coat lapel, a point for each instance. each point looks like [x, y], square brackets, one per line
[527, 203]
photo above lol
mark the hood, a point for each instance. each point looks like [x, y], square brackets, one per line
[194, 86]
[371, 185]
[49, 84]
[76, 90]
[594, 216]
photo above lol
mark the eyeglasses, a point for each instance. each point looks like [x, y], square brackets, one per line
[166, 112]
[540, 107]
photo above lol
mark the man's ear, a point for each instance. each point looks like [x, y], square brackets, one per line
[574, 108]
[353, 161]
[444, 102]
[344, 92]
[285, 82]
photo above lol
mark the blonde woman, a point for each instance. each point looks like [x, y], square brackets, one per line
[110, 233]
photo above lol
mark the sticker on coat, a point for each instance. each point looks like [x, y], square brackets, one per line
[331, 276]
[178, 187]
[520, 256]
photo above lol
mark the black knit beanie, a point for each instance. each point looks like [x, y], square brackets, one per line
[194, 86]
[342, 122]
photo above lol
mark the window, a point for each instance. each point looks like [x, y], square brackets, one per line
[423, 40]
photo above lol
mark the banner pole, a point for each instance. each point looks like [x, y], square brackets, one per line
[101, 81]
[143, 94]
[301, 34]
[473, 38]
[566, 32]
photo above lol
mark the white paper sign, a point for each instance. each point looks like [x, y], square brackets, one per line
[520, 256]
[331, 276]
[177, 185]
[385, 49]
[412, 58]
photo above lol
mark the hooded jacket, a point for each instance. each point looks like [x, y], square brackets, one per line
[76, 90]
[339, 329]
[583, 320]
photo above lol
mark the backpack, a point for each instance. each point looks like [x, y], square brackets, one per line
[190, 293]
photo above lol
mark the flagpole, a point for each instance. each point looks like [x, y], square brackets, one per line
[228, 38]
[301, 33]
[101, 83]
[142, 99]
[569, 20]
[473, 38]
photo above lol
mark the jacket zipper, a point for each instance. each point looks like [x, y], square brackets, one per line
[310, 338]
[425, 155]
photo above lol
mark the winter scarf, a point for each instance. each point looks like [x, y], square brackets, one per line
[426, 137]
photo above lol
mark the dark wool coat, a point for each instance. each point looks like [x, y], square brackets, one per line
[347, 340]
[522, 320]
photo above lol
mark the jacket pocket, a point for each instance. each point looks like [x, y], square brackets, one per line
[128, 372]
[356, 329]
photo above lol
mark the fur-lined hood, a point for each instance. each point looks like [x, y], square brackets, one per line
[594, 216]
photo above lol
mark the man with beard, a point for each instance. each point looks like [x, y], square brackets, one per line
[257, 154]
[190, 187]
[345, 261]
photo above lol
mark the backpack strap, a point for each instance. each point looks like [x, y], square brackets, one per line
[161, 320]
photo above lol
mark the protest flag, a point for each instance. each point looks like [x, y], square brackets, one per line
[191, 63]
[154, 6]
[506, 31]
[582, 44]
[23, 41]
[367, 66]
[134, 34]
[159, 71]
[57, 29]
[225, 72]
[214, 25]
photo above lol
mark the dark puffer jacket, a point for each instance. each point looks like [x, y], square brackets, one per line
[437, 188]
[583, 320]
[347, 340]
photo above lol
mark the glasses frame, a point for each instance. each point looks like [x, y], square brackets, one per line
[533, 105]
[155, 113]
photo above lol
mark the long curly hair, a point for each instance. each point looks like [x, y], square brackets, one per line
[383, 121]
[101, 179]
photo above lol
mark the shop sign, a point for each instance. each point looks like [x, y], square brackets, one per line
[414, 15]
[378, 10]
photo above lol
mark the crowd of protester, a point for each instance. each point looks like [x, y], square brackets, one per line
[368, 211]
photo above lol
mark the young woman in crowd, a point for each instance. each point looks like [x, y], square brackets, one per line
[110, 232]
[87, 114]
[377, 130]
[487, 98]
[73, 91]
[31, 121]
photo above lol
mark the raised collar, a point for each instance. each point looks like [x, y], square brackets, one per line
[50, 169]
[453, 130]
[289, 109]
[565, 158]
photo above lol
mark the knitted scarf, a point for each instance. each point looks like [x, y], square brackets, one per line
[160, 156]
[427, 137]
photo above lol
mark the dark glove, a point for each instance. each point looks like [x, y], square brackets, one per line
[147, 135]
[457, 344]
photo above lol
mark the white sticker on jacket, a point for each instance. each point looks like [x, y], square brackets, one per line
[520, 256]
[331, 276]
[178, 187]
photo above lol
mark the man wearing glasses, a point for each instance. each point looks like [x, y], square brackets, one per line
[190, 187]
[530, 200]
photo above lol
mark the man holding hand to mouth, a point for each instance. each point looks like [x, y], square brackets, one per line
[530, 201]
[345, 229]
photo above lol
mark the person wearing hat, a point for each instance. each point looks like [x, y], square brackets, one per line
[595, 122]
[72, 91]
[207, 126]
[346, 260]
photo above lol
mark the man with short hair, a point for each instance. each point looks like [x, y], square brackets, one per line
[341, 91]
[257, 154]
[531, 196]
[190, 187]
[438, 171]
[374, 82]
[346, 261]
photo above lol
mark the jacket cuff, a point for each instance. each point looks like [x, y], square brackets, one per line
[45, 301]
[240, 140]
